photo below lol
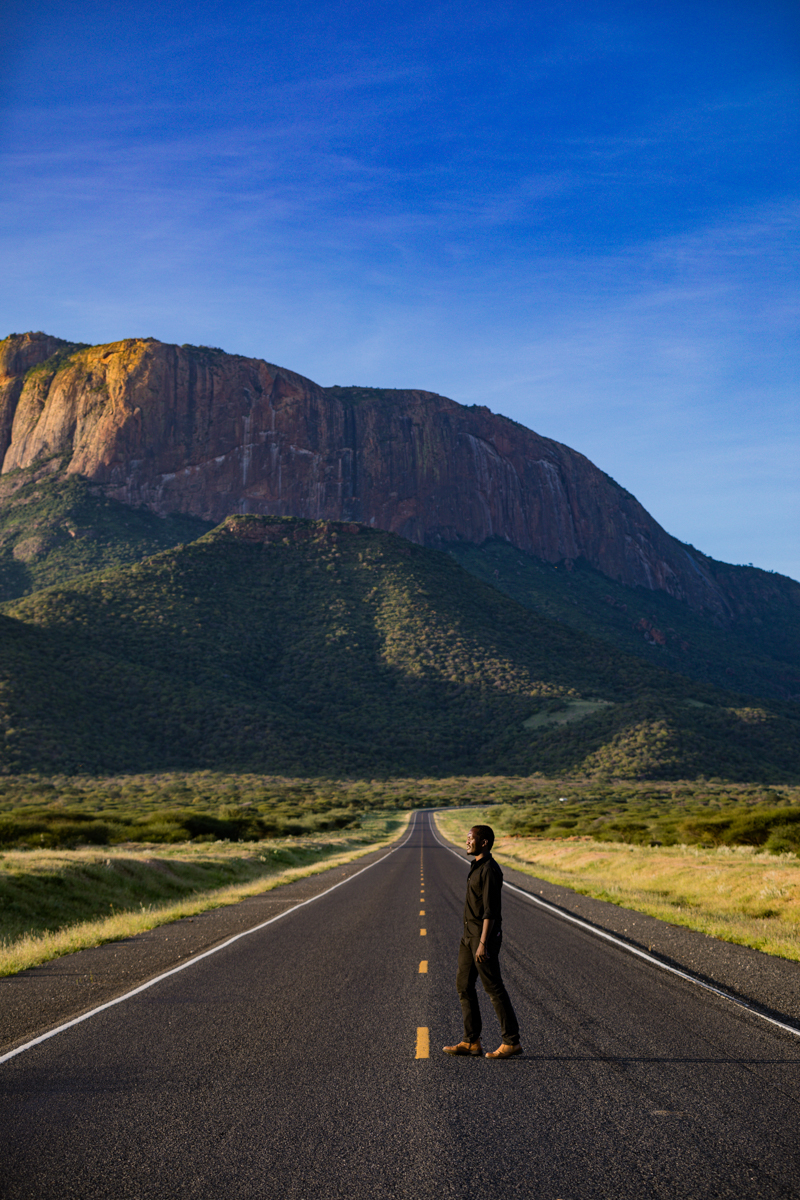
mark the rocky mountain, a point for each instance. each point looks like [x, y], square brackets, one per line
[192, 430]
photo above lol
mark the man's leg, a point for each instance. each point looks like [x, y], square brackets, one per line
[466, 979]
[492, 980]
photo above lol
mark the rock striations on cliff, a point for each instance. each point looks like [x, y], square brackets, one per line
[194, 430]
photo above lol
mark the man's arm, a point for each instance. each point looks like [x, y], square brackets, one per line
[491, 909]
[480, 953]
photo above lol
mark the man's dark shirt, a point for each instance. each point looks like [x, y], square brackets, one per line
[483, 896]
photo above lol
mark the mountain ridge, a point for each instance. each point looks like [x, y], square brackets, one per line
[193, 430]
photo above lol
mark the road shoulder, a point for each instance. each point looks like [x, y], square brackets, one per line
[44, 997]
[762, 979]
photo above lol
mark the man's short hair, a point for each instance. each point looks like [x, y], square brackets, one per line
[485, 833]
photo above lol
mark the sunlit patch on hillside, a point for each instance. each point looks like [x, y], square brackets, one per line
[572, 710]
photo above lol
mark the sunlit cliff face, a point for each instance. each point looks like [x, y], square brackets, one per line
[194, 430]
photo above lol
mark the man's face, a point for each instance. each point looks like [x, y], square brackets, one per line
[474, 843]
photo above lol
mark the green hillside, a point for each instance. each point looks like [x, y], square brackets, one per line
[56, 527]
[321, 649]
[758, 654]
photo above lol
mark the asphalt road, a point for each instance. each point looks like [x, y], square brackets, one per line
[284, 1065]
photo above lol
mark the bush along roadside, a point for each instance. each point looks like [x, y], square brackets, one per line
[64, 828]
[775, 828]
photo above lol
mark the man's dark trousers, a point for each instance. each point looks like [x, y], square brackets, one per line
[492, 980]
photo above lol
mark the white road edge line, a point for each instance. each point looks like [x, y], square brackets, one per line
[190, 962]
[609, 937]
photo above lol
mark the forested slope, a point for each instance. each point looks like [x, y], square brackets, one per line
[328, 648]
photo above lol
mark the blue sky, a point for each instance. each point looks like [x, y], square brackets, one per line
[584, 215]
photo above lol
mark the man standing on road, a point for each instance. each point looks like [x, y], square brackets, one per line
[479, 951]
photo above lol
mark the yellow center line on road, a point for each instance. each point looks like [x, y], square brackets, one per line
[422, 912]
[423, 967]
[423, 933]
[423, 1043]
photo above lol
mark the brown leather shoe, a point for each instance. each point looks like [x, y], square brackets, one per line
[475, 1049]
[505, 1051]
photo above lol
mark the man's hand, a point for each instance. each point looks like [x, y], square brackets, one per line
[480, 953]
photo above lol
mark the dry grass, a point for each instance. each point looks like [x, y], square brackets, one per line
[736, 894]
[33, 948]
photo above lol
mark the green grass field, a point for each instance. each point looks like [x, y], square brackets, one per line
[203, 806]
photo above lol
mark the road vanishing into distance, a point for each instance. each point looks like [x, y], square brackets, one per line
[291, 1063]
